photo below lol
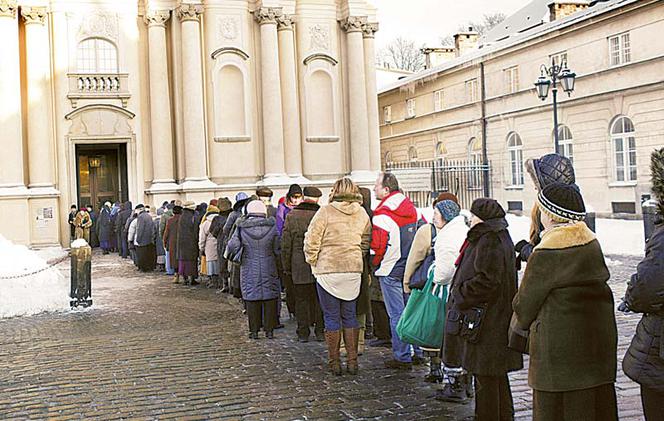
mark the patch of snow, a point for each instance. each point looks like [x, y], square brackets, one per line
[616, 236]
[47, 290]
[79, 243]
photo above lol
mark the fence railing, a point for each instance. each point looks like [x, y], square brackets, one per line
[422, 181]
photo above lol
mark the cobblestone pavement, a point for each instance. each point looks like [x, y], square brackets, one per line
[149, 349]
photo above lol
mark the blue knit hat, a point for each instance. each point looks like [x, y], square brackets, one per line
[448, 209]
[241, 196]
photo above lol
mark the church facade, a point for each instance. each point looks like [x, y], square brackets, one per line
[155, 100]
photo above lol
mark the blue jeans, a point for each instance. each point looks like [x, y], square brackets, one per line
[337, 313]
[169, 268]
[395, 302]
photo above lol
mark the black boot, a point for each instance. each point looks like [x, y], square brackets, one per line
[456, 388]
[435, 371]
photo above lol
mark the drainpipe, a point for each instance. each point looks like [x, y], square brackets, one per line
[485, 157]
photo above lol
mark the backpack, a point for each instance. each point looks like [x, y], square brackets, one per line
[419, 278]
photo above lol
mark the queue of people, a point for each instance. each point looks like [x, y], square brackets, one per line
[347, 272]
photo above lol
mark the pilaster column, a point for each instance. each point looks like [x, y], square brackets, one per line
[11, 173]
[40, 153]
[372, 94]
[160, 100]
[195, 159]
[289, 96]
[357, 98]
[273, 130]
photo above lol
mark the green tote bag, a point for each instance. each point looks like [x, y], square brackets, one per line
[422, 322]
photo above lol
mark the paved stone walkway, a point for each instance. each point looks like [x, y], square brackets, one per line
[152, 350]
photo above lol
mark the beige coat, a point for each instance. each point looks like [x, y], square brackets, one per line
[206, 241]
[338, 236]
[419, 251]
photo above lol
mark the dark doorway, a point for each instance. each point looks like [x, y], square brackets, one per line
[101, 174]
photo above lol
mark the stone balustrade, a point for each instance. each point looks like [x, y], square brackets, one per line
[98, 85]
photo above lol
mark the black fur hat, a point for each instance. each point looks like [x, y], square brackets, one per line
[657, 171]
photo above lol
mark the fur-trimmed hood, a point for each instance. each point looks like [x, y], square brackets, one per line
[566, 236]
[657, 171]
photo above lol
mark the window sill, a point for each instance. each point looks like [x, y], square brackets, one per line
[623, 184]
[514, 188]
[410, 117]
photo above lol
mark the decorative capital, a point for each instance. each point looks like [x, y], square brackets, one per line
[267, 15]
[190, 11]
[8, 8]
[369, 29]
[156, 17]
[354, 23]
[285, 22]
[33, 15]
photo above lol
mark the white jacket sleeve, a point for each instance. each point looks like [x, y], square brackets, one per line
[448, 243]
[131, 234]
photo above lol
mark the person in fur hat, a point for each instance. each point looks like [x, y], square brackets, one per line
[644, 361]
[546, 170]
[566, 304]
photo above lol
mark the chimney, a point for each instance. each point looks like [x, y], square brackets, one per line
[559, 9]
[436, 56]
[466, 41]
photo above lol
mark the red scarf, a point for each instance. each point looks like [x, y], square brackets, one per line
[462, 251]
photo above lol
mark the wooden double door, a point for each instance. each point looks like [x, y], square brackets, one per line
[101, 174]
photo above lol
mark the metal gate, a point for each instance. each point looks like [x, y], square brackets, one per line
[423, 181]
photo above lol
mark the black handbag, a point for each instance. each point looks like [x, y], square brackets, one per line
[421, 274]
[466, 324]
[236, 258]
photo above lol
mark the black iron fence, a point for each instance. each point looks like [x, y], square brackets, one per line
[422, 181]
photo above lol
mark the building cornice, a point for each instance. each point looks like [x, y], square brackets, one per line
[32, 15]
[8, 8]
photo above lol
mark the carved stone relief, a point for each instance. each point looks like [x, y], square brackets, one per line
[228, 29]
[99, 25]
[319, 36]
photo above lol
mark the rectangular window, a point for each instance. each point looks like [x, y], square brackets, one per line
[410, 108]
[471, 90]
[620, 49]
[559, 59]
[512, 79]
[387, 114]
[625, 152]
[438, 100]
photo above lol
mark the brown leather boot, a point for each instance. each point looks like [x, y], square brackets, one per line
[351, 339]
[333, 339]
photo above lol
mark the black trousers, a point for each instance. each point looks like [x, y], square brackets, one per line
[261, 313]
[307, 309]
[381, 321]
[493, 398]
[652, 404]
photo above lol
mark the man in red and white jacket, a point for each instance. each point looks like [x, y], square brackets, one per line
[394, 227]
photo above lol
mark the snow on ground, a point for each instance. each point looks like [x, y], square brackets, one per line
[616, 236]
[45, 291]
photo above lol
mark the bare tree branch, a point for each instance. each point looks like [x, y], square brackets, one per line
[402, 54]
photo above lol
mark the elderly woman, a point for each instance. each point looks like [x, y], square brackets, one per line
[256, 239]
[565, 302]
[334, 246]
[479, 311]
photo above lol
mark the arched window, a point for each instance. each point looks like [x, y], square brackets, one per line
[388, 157]
[565, 142]
[412, 154]
[624, 149]
[230, 96]
[515, 154]
[475, 151]
[320, 98]
[96, 55]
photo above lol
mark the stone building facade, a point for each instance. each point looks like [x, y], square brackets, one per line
[608, 126]
[152, 100]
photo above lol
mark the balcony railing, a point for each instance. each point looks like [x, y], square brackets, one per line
[98, 86]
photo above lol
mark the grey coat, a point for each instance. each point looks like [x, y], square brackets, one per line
[146, 232]
[257, 236]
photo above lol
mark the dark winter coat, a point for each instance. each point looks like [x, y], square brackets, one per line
[104, 225]
[237, 212]
[257, 236]
[485, 277]
[187, 242]
[565, 302]
[146, 232]
[217, 230]
[121, 220]
[170, 238]
[292, 243]
[644, 361]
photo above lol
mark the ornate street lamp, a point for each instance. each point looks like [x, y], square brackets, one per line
[556, 73]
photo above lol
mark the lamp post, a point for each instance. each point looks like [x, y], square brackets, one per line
[549, 79]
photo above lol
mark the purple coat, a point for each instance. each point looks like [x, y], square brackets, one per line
[282, 213]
